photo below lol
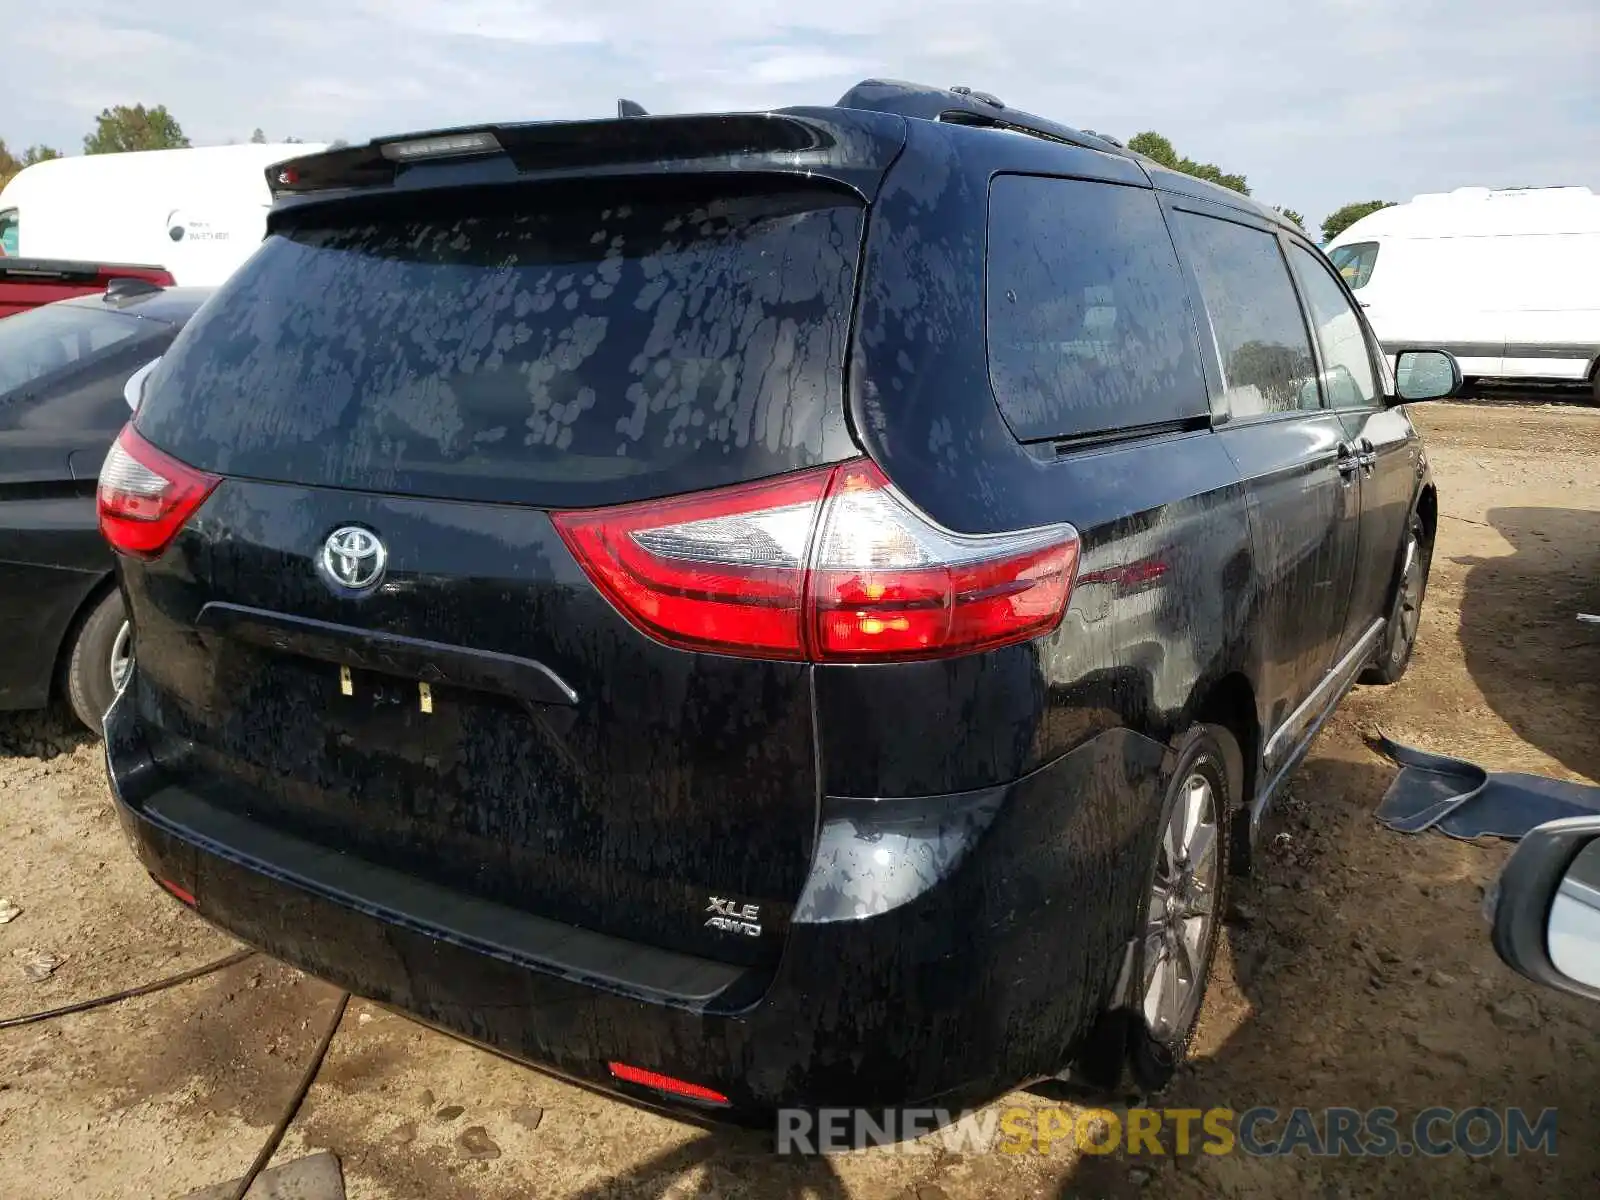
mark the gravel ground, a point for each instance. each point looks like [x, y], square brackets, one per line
[1357, 970]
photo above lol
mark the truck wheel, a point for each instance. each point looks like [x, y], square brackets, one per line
[1184, 902]
[101, 657]
[1400, 635]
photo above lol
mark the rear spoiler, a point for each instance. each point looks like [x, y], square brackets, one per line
[850, 148]
[59, 270]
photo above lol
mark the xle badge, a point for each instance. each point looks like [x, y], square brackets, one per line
[733, 918]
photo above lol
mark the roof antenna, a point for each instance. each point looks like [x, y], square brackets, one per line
[630, 108]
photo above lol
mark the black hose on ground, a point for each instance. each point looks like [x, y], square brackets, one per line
[270, 1147]
[142, 990]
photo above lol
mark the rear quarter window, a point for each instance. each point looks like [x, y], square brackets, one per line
[574, 349]
[1089, 327]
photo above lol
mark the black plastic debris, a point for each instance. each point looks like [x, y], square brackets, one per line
[1465, 801]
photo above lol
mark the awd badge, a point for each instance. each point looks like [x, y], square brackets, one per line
[731, 917]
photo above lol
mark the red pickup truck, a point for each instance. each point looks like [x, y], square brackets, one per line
[29, 282]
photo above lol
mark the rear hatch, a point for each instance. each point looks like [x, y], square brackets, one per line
[440, 372]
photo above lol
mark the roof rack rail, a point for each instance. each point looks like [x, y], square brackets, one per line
[963, 106]
[1106, 137]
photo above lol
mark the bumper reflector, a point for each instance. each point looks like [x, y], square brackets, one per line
[665, 1083]
[180, 893]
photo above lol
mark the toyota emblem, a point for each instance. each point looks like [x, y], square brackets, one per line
[354, 557]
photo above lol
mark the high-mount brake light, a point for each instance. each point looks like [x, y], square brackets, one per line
[448, 145]
[829, 565]
[144, 496]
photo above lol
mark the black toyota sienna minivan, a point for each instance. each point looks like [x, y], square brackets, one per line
[802, 608]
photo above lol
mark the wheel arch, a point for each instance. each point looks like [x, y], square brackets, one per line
[1230, 703]
[1428, 510]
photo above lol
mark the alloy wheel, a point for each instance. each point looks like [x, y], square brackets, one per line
[1182, 912]
[1409, 612]
[121, 659]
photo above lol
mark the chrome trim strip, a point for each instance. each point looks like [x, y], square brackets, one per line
[1354, 660]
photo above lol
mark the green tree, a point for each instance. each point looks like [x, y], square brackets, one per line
[258, 138]
[1152, 145]
[137, 128]
[1293, 216]
[1341, 219]
[10, 164]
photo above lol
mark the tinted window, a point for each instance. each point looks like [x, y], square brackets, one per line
[577, 350]
[8, 232]
[1355, 262]
[1255, 317]
[43, 344]
[1346, 362]
[1089, 329]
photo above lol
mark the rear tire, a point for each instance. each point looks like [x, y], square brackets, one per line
[1405, 615]
[102, 653]
[1185, 899]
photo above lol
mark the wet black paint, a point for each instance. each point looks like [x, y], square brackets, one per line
[947, 858]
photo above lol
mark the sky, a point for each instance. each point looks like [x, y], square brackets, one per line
[1318, 103]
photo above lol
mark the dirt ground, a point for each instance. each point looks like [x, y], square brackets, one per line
[1357, 970]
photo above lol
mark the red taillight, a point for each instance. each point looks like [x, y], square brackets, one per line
[719, 571]
[830, 565]
[145, 496]
[665, 1083]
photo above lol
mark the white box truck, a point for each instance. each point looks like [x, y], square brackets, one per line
[1508, 280]
[199, 213]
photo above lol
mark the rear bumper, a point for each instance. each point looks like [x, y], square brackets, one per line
[945, 948]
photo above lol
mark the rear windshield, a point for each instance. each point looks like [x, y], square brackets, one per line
[54, 340]
[574, 351]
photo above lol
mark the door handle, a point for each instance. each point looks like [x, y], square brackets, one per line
[1349, 461]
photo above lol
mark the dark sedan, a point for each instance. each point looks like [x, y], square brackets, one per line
[64, 372]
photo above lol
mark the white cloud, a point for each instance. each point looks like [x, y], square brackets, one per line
[1318, 104]
[496, 20]
[781, 67]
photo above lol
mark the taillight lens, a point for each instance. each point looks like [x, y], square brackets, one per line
[831, 565]
[719, 571]
[888, 583]
[145, 496]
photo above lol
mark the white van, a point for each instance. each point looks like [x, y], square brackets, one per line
[199, 213]
[1508, 280]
